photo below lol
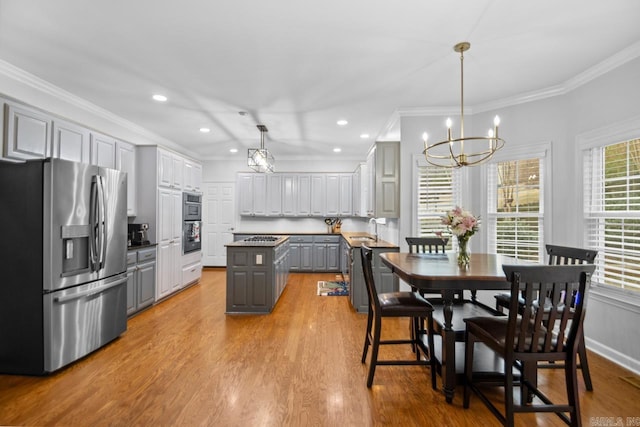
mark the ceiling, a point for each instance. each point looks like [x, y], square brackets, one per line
[298, 66]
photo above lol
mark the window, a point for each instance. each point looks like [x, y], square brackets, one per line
[516, 209]
[438, 191]
[612, 212]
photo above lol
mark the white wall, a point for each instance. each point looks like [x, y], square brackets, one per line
[611, 326]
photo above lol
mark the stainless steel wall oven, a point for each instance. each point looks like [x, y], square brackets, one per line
[192, 222]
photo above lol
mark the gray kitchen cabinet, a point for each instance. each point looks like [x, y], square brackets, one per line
[71, 142]
[256, 277]
[141, 279]
[27, 132]
[383, 170]
[326, 253]
[383, 277]
[300, 252]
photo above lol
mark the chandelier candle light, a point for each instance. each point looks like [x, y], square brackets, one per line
[462, 224]
[451, 152]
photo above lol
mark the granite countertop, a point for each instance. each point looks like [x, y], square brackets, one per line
[354, 239]
[136, 247]
[357, 239]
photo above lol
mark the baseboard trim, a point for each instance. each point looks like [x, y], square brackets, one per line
[613, 355]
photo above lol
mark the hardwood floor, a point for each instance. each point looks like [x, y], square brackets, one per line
[184, 362]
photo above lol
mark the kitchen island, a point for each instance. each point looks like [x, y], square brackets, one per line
[257, 273]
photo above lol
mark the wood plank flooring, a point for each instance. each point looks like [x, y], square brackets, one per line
[184, 362]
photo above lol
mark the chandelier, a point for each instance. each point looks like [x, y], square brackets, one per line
[462, 151]
[259, 159]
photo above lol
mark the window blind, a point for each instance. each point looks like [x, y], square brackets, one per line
[438, 192]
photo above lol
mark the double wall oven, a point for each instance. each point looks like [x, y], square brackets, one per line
[191, 222]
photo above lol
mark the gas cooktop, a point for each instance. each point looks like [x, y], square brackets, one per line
[261, 239]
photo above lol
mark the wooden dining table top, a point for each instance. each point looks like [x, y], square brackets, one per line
[441, 271]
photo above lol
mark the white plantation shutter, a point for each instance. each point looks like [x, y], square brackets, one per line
[612, 212]
[515, 214]
[438, 192]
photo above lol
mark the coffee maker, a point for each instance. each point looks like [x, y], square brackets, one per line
[139, 234]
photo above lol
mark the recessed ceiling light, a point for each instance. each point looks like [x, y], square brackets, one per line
[205, 130]
[159, 98]
[233, 150]
[337, 150]
[342, 122]
[364, 136]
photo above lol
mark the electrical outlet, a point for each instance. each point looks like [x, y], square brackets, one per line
[258, 259]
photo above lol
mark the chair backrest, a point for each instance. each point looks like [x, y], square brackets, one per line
[372, 293]
[427, 244]
[546, 324]
[559, 255]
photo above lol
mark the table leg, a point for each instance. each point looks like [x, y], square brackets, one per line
[448, 347]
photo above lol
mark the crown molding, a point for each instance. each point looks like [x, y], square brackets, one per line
[20, 76]
[626, 55]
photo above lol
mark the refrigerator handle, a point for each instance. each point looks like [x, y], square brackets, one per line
[93, 224]
[90, 292]
[102, 223]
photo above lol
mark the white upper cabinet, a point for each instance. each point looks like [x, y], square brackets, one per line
[339, 194]
[289, 195]
[71, 142]
[274, 194]
[318, 194]
[252, 194]
[103, 150]
[303, 197]
[170, 169]
[28, 133]
[126, 162]
[191, 176]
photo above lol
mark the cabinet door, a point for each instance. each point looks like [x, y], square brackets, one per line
[176, 267]
[165, 168]
[333, 257]
[71, 142]
[196, 178]
[332, 203]
[259, 194]
[370, 187]
[165, 216]
[345, 195]
[306, 257]
[187, 176]
[289, 193]
[28, 133]
[103, 151]
[131, 290]
[176, 169]
[274, 195]
[387, 176]
[318, 194]
[165, 273]
[304, 195]
[319, 257]
[146, 281]
[245, 194]
[294, 257]
[126, 162]
[176, 220]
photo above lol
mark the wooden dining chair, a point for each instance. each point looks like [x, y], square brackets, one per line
[394, 304]
[545, 325]
[562, 255]
[429, 245]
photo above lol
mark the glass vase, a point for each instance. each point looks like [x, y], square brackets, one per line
[463, 251]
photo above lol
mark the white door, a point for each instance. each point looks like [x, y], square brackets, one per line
[219, 219]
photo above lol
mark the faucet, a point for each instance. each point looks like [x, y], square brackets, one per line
[375, 222]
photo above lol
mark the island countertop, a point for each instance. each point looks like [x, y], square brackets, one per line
[261, 243]
[355, 239]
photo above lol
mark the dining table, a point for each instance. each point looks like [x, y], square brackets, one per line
[440, 273]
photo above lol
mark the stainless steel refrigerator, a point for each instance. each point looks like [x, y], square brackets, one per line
[63, 233]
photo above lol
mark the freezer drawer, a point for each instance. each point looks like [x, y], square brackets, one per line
[82, 319]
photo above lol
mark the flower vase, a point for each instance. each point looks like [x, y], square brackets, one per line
[463, 251]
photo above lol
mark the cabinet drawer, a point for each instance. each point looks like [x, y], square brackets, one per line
[146, 254]
[191, 273]
[300, 239]
[327, 239]
[132, 257]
